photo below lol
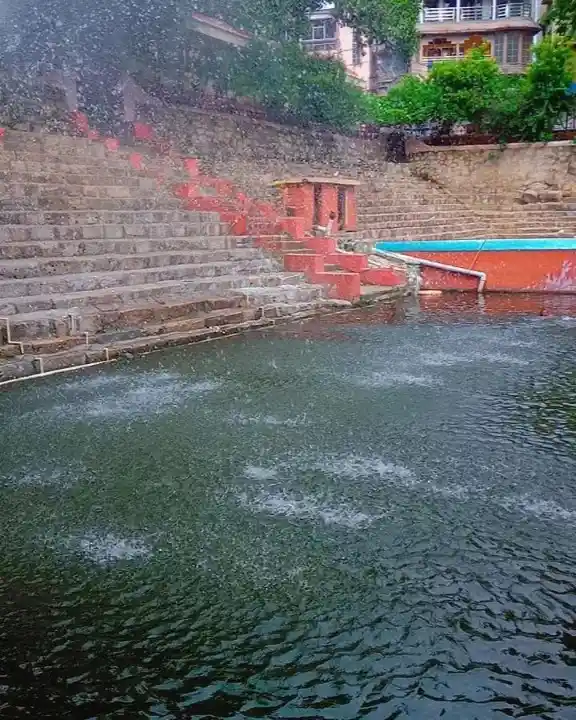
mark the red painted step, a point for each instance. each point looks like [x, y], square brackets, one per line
[348, 261]
[304, 262]
[323, 245]
[381, 276]
[210, 203]
[343, 286]
[237, 222]
[279, 244]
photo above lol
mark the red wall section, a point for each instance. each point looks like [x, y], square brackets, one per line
[514, 270]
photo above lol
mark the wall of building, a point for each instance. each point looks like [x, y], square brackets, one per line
[482, 169]
[420, 65]
[361, 70]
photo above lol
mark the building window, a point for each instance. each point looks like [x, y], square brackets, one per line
[323, 30]
[526, 50]
[499, 48]
[356, 49]
[512, 49]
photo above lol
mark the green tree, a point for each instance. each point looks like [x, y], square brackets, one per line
[474, 91]
[465, 89]
[412, 101]
[545, 98]
[286, 79]
[393, 21]
[561, 17]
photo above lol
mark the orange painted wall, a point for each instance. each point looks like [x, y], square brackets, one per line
[514, 270]
[300, 198]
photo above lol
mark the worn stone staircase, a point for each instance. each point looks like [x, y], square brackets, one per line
[98, 257]
[400, 206]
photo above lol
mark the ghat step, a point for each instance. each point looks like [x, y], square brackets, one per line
[94, 280]
[57, 327]
[209, 260]
[151, 291]
[82, 248]
[126, 217]
[29, 364]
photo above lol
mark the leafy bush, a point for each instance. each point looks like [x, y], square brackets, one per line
[286, 79]
[465, 89]
[545, 98]
[412, 101]
[474, 91]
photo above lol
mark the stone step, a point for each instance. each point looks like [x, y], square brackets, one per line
[69, 182]
[54, 203]
[96, 280]
[407, 205]
[422, 214]
[479, 234]
[55, 266]
[105, 217]
[148, 291]
[61, 324]
[416, 223]
[35, 233]
[116, 168]
[37, 195]
[65, 165]
[264, 296]
[126, 246]
[170, 335]
[65, 160]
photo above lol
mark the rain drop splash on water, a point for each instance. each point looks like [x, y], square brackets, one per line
[383, 526]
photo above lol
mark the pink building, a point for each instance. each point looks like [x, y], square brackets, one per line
[329, 38]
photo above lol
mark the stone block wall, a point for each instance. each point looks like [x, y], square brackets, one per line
[253, 153]
[508, 172]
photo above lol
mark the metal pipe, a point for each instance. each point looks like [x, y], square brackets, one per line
[410, 260]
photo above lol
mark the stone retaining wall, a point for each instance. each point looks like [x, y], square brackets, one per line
[253, 152]
[507, 171]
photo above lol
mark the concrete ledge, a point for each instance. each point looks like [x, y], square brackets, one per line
[421, 147]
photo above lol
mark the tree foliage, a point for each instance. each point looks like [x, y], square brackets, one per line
[110, 31]
[296, 85]
[561, 17]
[545, 98]
[391, 21]
[412, 101]
[474, 91]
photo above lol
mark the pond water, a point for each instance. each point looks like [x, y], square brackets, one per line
[372, 515]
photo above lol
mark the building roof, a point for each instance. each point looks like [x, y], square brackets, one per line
[218, 29]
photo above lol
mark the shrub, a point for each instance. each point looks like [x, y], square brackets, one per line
[286, 79]
[474, 91]
[545, 98]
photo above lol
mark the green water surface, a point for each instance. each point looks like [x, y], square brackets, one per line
[366, 516]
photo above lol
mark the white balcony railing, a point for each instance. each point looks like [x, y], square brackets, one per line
[439, 14]
[476, 12]
[518, 9]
